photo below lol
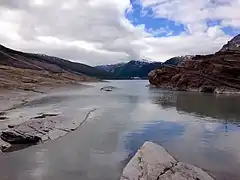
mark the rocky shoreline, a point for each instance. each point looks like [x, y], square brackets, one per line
[18, 131]
[214, 73]
[153, 162]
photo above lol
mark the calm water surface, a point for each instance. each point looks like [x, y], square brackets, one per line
[199, 129]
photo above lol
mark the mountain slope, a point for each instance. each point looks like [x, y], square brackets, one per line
[19, 59]
[219, 72]
[26, 71]
[176, 60]
[232, 46]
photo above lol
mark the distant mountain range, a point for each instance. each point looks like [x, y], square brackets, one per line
[137, 68]
[44, 63]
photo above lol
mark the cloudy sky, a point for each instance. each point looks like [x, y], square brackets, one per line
[110, 31]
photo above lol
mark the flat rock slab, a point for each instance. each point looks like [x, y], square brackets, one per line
[41, 128]
[153, 162]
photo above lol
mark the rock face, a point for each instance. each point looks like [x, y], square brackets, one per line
[153, 162]
[219, 72]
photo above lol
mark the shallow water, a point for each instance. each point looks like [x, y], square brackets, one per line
[200, 129]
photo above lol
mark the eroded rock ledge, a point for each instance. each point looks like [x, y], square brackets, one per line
[43, 127]
[153, 162]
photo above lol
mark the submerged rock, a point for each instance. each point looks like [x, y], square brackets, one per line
[11, 126]
[153, 162]
[108, 88]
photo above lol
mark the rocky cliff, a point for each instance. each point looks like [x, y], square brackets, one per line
[219, 72]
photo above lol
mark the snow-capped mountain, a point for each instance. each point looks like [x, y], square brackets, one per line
[110, 68]
[133, 68]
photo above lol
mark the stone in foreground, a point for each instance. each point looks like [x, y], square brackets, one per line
[153, 162]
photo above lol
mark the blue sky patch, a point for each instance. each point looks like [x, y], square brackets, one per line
[227, 30]
[162, 27]
[158, 27]
[231, 31]
[211, 23]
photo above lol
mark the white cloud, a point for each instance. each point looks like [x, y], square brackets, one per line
[97, 32]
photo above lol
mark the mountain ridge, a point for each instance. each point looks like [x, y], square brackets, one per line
[18, 59]
[31, 72]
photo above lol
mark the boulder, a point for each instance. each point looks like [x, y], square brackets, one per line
[153, 162]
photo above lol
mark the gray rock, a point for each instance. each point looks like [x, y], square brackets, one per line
[153, 162]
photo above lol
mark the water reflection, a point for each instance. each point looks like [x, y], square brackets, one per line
[221, 107]
[191, 126]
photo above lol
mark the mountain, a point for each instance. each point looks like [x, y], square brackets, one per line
[232, 45]
[176, 60]
[19, 59]
[219, 72]
[138, 68]
[29, 71]
[110, 68]
[134, 68]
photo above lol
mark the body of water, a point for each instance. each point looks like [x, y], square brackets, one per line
[200, 129]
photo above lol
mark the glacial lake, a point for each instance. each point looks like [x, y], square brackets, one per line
[200, 129]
